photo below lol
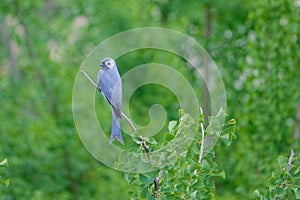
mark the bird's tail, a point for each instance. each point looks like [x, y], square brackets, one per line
[115, 129]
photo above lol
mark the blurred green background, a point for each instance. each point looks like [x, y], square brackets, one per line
[256, 46]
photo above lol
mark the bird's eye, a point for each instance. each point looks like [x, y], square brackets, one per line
[108, 63]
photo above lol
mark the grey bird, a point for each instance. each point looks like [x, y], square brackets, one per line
[110, 84]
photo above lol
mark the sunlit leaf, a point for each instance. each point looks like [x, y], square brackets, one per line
[297, 193]
[4, 162]
[171, 125]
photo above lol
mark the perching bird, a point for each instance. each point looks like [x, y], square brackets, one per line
[110, 85]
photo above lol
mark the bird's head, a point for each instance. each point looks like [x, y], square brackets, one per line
[107, 62]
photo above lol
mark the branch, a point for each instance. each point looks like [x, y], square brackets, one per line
[146, 148]
[287, 169]
[129, 122]
[290, 161]
[202, 141]
[89, 78]
[297, 125]
[96, 86]
[156, 183]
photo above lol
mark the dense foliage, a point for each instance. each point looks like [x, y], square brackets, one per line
[190, 175]
[284, 183]
[256, 46]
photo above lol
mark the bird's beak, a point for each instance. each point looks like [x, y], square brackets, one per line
[101, 64]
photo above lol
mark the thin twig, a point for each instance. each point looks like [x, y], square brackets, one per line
[202, 141]
[297, 126]
[96, 86]
[129, 122]
[287, 169]
[290, 161]
[146, 148]
[89, 78]
[156, 183]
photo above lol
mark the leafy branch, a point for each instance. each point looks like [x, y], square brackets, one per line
[146, 148]
[288, 167]
[189, 176]
[284, 183]
[156, 183]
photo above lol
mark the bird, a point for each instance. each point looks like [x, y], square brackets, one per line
[110, 85]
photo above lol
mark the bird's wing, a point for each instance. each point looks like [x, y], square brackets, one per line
[105, 84]
[110, 84]
[117, 98]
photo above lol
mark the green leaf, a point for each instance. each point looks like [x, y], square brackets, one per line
[181, 112]
[145, 179]
[297, 193]
[171, 125]
[226, 139]
[228, 133]
[256, 194]
[151, 140]
[205, 165]
[169, 137]
[129, 177]
[297, 172]
[282, 161]
[202, 118]
[199, 184]
[173, 157]
[193, 194]
[5, 181]
[280, 192]
[232, 121]
[195, 148]
[221, 174]
[4, 162]
[144, 191]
